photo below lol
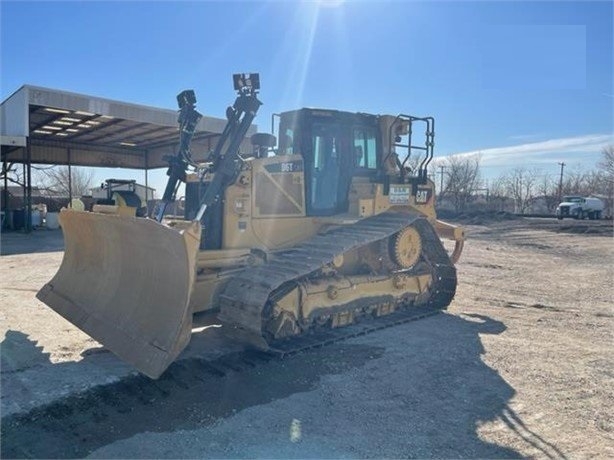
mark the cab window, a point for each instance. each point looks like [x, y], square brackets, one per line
[288, 135]
[365, 153]
[288, 141]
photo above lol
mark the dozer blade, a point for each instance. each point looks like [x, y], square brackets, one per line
[126, 281]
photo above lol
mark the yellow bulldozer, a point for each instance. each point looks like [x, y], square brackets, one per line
[303, 236]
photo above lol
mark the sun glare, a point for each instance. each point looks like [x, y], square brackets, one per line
[330, 3]
[295, 55]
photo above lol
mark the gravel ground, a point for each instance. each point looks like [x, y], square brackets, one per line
[521, 365]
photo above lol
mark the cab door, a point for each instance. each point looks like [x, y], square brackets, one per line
[324, 169]
[330, 142]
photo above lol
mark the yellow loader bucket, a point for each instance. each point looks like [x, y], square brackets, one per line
[126, 281]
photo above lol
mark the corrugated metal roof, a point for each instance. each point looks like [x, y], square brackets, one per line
[65, 127]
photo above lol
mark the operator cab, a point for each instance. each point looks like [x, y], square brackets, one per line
[335, 146]
[338, 146]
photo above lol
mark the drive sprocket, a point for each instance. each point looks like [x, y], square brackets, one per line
[406, 247]
[402, 250]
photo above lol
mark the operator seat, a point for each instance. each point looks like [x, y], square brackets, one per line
[358, 157]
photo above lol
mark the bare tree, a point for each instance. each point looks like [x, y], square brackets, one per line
[606, 186]
[13, 173]
[55, 181]
[607, 162]
[498, 194]
[574, 182]
[592, 183]
[548, 189]
[462, 179]
[520, 186]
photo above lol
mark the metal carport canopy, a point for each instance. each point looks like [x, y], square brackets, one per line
[60, 127]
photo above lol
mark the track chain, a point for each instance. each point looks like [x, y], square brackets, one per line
[246, 295]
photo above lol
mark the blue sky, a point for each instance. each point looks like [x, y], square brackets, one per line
[524, 83]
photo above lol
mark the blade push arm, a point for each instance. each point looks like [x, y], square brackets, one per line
[226, 154]
[177, 164]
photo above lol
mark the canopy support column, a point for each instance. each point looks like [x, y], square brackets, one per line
[69, 180]
[28, 188]
[5, 194]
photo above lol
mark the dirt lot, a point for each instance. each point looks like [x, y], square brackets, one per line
[520, 365]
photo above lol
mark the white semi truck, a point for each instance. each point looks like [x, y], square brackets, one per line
[580, 208]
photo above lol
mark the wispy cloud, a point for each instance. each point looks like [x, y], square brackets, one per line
[541, 151]
[526, 137]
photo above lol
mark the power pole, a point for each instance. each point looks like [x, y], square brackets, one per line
[441, 168]
[562, 164]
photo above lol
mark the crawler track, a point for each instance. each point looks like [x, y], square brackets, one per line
[245, 298]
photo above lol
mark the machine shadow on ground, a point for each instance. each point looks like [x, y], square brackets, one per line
[442, 388]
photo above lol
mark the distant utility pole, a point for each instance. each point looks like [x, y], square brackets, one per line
[441, 168]
[562, 164]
